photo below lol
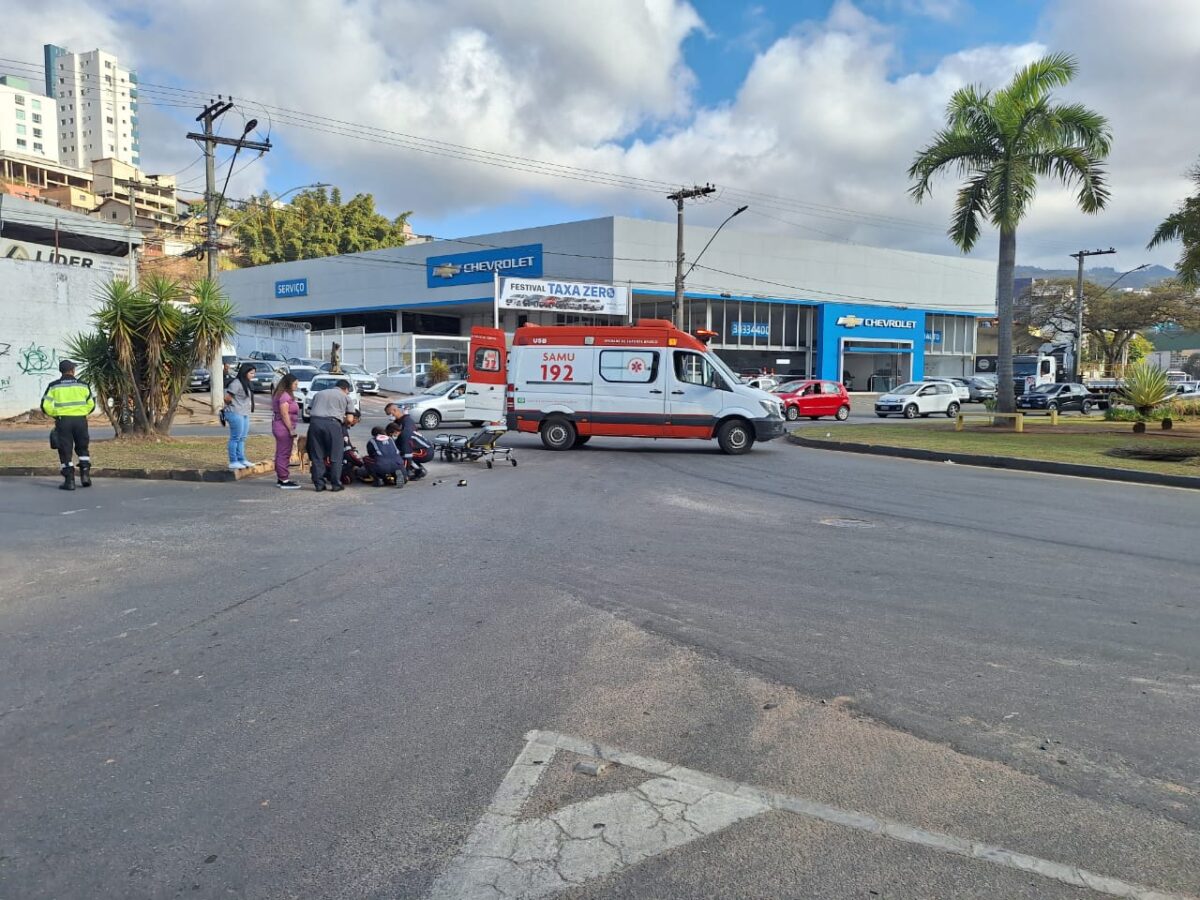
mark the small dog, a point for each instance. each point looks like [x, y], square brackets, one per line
[302, 451]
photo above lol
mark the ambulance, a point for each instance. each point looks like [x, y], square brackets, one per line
[572, 383]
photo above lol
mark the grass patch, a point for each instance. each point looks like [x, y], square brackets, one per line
[1083, 442]
[167, 453]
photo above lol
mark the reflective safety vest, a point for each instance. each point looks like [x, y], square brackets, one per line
[386, 452]
[67, 397]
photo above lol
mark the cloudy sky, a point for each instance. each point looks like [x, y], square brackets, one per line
[482, 116]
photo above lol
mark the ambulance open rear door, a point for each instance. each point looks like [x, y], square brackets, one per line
[487, 376]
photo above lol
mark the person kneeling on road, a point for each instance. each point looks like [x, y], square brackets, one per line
[383, 458]
[329, 410]
[404, 430]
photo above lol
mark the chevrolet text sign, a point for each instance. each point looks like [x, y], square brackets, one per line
[855, 321]
[482, 266]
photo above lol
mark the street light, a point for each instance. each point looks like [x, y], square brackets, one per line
[683, 278]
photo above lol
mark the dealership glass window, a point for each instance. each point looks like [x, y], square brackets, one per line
[629, 366]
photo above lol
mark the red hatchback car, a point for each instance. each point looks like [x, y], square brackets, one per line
[814, 399]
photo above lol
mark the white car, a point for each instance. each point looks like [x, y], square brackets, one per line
[319, 383]
[403, 379]
[763, 382]
[960, 388]
[441, 403]
[304, 376]
[363, 380]
[919, 398]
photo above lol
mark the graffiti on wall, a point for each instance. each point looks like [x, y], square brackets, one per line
[37, 360]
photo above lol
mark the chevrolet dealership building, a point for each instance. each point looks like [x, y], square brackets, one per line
[831, 310]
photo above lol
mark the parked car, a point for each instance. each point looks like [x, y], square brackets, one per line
[264, 374]
[310, 361]
[919, 398]
[814, 399]
[1062, 397]
[441, 403]
[275, 360]
[981, 387]
[200, 380]
[319, 383]
[762, 382]
[960, 386]
[403, 379]
[364, 381]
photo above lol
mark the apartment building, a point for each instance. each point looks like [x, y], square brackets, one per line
[97, 106]
[115, 182]
[28, 121]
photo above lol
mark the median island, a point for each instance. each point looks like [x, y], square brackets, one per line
[1090, 447]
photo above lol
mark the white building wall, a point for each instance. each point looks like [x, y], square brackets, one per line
[40, 307]
[28, 124]
[97, 103]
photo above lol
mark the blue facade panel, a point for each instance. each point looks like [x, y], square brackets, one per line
[845, 328]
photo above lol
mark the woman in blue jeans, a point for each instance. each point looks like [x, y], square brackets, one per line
[239, 403]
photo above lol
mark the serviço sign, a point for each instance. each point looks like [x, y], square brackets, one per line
[291, 287]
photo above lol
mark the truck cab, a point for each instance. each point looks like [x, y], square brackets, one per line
[572, 383]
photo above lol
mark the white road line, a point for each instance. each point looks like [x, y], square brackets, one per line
[509, 857]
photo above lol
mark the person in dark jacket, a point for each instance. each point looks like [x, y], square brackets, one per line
[404, 439]
[383, 458]
[69, 401]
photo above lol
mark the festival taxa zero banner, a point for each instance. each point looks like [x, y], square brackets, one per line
[580, 297]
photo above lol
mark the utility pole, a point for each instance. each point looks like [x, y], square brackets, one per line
[1080, 256]
[209, 139]
[679, 196]
[132, 225]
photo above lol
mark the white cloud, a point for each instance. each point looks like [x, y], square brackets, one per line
[821, 116]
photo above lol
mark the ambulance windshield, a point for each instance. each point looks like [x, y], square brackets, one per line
[721, 367]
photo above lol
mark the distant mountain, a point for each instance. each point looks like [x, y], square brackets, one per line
[1103, 275]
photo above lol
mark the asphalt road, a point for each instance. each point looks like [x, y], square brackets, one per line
[227, 690]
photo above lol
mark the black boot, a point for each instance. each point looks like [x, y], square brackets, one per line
[68, 480]
[85, 475]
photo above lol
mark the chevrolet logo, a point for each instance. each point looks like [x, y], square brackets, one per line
[446, 270]
[849, 321]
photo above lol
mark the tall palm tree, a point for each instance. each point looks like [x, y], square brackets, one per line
[1001, 142]
[1184, 225]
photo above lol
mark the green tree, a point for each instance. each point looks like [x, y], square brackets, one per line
[313, 224]
[1001, 143]
[1184, 225]
[145, 344]
[1112, 321]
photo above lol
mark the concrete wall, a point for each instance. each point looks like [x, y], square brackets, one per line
[40, 306]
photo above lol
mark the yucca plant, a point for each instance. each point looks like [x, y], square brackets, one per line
[439, 371]
[146, 343]
[1146, 387]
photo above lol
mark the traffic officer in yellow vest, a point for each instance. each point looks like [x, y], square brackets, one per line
[70, 402]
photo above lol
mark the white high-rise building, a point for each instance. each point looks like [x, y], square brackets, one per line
[28, 121]
[97, 107]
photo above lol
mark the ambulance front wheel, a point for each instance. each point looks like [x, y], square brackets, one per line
[558, 434]
[735, 437]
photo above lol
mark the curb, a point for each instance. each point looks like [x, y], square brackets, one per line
[206, 475]
[1046, 467]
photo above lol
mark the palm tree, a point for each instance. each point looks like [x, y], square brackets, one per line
[1184, 225]
[1002, 142]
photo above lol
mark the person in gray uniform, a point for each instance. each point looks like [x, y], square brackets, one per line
[328, 410]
